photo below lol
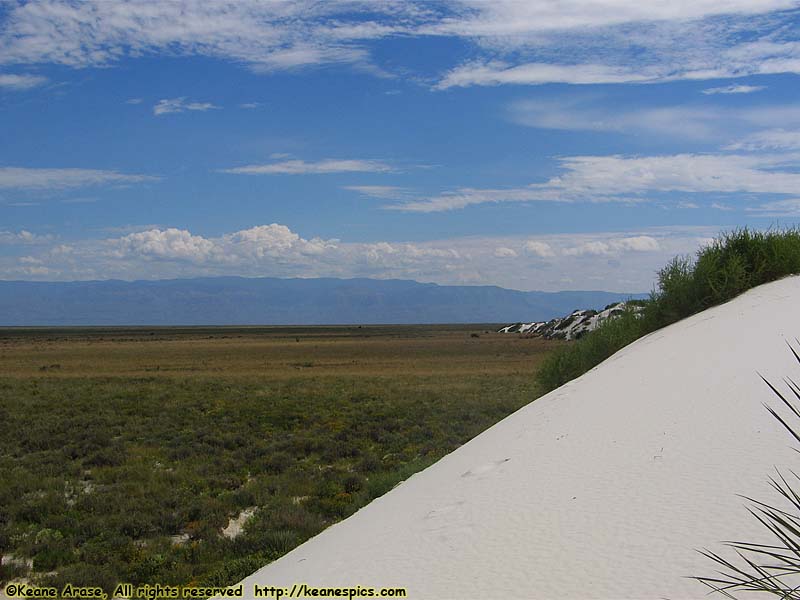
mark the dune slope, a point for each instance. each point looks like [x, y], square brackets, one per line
[603, 488]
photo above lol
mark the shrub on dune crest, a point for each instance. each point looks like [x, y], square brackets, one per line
[733, 263]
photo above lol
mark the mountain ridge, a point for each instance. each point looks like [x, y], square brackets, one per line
[232, 300]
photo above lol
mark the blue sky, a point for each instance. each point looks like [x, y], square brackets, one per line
[534, 145]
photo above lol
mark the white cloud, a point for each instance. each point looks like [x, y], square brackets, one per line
[630, 179]
[503, 252]
[778, 208]
[694, 122]
[621, 261]
[640, 243]
[301, 167]
[680, 172]
[620, 41]
[734, 89]
[179, 105]
[169, 244]
[273, 241]
[721, 206]
[22, 178]
[265, 35]
[533, 42]
[498, 72]
[20, 82]
[540, 249]
[771, 139]
[23, 237]
[386, 192]
[134, 101]
[250, 105]
[491, 20]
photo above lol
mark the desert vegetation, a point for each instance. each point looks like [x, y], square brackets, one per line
[769, 568]
[131, 455]
[733, 263]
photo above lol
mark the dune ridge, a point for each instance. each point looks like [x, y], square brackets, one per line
[603, 488]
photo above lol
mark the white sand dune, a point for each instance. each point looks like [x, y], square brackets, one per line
[604, 488]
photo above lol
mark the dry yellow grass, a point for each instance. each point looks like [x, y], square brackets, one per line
[277, 352]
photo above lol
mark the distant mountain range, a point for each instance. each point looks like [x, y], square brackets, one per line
[269, 301]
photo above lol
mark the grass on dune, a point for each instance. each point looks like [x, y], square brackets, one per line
[733, 263]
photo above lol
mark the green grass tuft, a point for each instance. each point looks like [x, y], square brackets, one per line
[733, 263]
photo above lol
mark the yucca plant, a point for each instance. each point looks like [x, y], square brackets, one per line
[775, 568]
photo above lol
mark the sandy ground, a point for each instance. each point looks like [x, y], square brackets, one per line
[604, 488]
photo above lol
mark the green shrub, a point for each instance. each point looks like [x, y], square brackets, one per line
[235, 570]
[566, 364]
[733, 263]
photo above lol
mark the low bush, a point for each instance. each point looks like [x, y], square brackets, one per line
[733, 263]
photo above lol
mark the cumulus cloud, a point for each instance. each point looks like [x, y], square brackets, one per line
[23, 237]
[540, 249]
[179, 105]
[20, 82]
[503, 252]
[322, 167]
[625, 261]
[641, 243]
[24, 178]
[169, 244]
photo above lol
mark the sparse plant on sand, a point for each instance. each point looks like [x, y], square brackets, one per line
[769, 568]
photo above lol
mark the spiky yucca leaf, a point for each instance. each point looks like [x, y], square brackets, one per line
[772, 569]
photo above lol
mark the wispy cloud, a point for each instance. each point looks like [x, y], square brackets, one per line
[264, 35]
[585, 42]
[322, 167]
[701, 122]
[179, 105]
[20, 82]
[771, 139]
[24, 178]
[385, 192]
[134, 101]
[534, 42]
[734, 89]
[631, 179]
[778, 208]
[538, 73]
